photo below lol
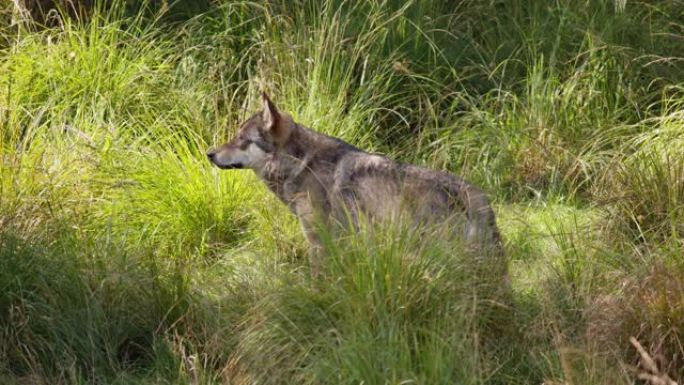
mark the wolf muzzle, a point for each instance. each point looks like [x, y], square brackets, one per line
[211, 154]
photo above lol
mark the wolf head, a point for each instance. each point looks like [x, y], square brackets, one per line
[256, 141]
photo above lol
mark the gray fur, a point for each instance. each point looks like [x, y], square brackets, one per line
[322, 178]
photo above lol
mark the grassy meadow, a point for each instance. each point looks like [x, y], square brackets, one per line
[126, 258]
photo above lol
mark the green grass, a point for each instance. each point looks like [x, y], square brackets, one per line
[126, 258]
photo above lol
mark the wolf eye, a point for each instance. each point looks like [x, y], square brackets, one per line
[243, 141]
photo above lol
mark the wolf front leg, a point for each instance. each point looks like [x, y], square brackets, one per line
[316, 253]
[311, 221]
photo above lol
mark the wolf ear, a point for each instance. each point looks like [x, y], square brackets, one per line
[275, 124]
[270, 114]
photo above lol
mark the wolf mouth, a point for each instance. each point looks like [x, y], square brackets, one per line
[232, 166]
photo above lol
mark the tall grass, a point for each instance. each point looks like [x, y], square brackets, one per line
[126, 258]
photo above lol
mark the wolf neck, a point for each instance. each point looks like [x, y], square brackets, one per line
[305, 154]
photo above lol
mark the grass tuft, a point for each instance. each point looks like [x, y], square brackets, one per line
[126, 258]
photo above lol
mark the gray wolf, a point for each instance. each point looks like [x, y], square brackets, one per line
[323, 179]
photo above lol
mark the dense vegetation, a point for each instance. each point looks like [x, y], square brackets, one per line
[126, 258]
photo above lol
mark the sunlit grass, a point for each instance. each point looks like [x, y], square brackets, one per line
[125, 257]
